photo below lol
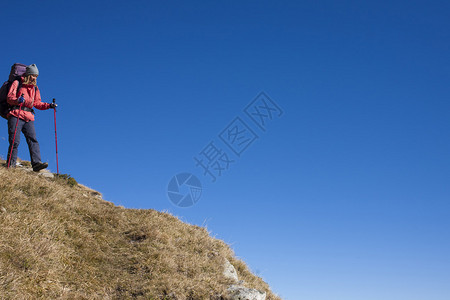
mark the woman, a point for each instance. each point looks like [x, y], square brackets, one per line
[25, 94]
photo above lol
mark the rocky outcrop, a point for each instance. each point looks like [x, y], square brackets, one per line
[230, 271]
[238, 291]
[26, 166]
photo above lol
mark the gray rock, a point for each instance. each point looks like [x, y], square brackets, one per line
[236, 292]
[46, 174]
[230, 271]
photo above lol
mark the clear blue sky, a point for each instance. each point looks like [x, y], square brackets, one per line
[345, 196]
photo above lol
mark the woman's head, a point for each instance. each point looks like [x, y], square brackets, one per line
[32, 70]
[30, 75]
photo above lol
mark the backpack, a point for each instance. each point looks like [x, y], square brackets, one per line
[17, 70]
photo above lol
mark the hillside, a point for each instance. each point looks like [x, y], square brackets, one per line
[62, 241]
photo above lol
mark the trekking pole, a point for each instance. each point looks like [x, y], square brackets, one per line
[56, 138]
[14, 138]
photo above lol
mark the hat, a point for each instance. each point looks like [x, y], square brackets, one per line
[32, 70]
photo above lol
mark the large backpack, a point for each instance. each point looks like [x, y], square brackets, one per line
[17, 70]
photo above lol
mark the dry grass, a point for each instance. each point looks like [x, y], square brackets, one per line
[59, 242]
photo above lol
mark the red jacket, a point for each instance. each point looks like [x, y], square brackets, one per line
[31, 101]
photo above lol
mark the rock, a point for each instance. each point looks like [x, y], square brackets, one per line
[2, 209]
[236, 292]
[230, 271]
[46, 174]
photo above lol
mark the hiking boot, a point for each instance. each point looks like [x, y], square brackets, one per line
[39, 166]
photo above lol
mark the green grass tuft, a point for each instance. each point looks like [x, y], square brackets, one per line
[67, 178]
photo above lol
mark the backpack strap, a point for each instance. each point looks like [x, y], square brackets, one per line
[34, 98]
[19, 85]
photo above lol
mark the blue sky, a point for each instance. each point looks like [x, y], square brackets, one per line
[344, 196]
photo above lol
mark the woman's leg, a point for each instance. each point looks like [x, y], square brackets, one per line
[12, 121]
[33, 145]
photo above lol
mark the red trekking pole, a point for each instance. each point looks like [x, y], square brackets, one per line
[56, 138]
[14, 138]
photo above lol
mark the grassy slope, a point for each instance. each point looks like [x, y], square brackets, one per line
[58, 241]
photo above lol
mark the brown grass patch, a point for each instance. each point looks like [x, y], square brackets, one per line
[57, 242]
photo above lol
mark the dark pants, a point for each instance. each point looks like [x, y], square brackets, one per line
[27, 128]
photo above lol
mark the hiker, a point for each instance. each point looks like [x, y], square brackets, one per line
[26, 94]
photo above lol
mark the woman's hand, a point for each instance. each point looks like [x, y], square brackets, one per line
[21, 99]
